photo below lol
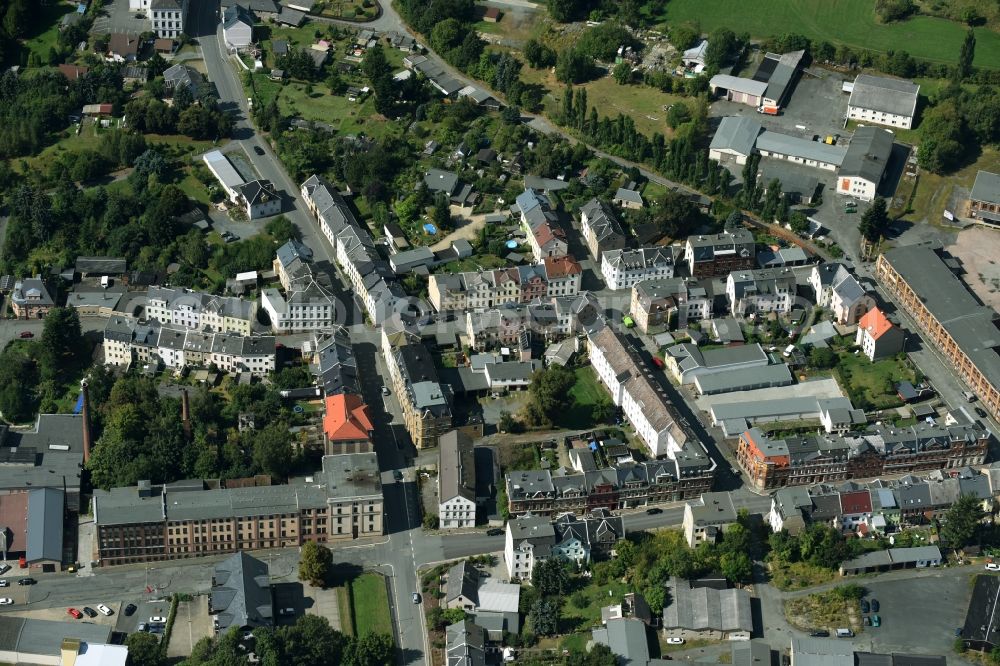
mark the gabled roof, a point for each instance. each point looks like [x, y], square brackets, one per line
[457, 469]
[241, 592]
[986, 187]
[463, 580]
[736, 133]
[875, 323]
[879, 93]
[347, 418]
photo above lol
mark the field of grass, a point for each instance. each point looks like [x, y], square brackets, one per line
[370, 605]
[825, 610]
[42, 42]
[934, 192]
[850, 22]
[876, 381]
[797, 575]
[586, 392]
[582, 610]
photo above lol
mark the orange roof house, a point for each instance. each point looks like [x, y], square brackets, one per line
[347, 425]
[875, 323]
[877, 336]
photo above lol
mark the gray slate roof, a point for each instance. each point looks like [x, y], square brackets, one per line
[736, 133]
[705, 608]
[885, 95]
[241, 593]
[986, 188]
[868, 154]
[46, 509]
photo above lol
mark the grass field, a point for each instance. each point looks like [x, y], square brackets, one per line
[586, 393]
[934, 192]
[875, 380]
[42, 42]
[850, 22]
[796, 575]
[370, 605]
[824, 610]
[582, 610]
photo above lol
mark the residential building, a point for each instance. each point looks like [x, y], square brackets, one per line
[627, 486]
[456, 481]
[241, 595]
[180, 76]
[258, 199]
[578, 539]
[237, 27]
[563, 276]
[951, 318]
[554, 277]
[308, 303]
[334, 364]
[686, 362]
[200, 311]
[790, 509]
[602, 231]
[347, 425]
[529, 540]
[646, 406]
[836, 288]
[885, 101]
[719, 254]
[984, 200]
[30, 299]
[623, 269]
[707, 517]
[168, 17]
[628, 197]
[668, 303]
[735, 139]
[878, 337]
[865, 163]
[122, 47]
[697, 612]
[545, 236]
[805, 460]
[625, 637]
[425, 400]
[465, 644]
[764, 290]
[149, 523]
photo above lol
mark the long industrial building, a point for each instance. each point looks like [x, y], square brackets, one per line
[963, 330]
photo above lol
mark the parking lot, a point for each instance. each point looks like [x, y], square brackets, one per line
[918, 616]
[144, 611]
[116, 17]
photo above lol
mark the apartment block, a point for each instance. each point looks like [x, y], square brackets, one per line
[623, 269]
[200, 311]
[716, 255]
[148, 523]
[308, 303]
[426, 402]
[553, 278]
[765, 290]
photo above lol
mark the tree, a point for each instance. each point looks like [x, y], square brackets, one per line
[563, 11]
[603, 410]
[282, 230]
[315, 564]
[374, 64]
[722, 44]
[272, 450]
[966, 56]
[736, 566]
[622, 73]
[544, 617]
[874, 221]
[550, 577]
[431, 521]
[371, 650]
[149, 163]
[599, 655]
[572, 66]
[822, 357]
[144, 649]
[677, 115]
[538, 55]
[61, 342]
[962, 522]
[798, 222]
[550, 389]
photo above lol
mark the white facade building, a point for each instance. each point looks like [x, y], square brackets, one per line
[623, 269]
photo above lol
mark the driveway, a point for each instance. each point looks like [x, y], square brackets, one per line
[191, 624]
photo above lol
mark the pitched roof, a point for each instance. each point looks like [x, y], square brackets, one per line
[868, 154]
[879, 93]
[46, 509]
[875, 323]
[456, 467]
[463, 580]
[701, 608]
[736, 133]
[346, 418]
[241, 592]
[986, 188]
[557, 267]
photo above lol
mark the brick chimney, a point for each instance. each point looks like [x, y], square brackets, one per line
[186, 414]
[86, 421]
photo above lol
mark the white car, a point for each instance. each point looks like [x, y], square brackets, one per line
[993, 566]
[105, 610]
[4, 583]
[675, 641]
[6, 601]
[157, 619]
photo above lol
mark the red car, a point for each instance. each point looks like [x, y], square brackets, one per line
[657, 362]
[75, 613]
[27, 334]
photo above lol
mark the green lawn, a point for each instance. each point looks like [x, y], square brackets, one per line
[876, 381]
[42, 42]
[850, 22]
[586, 392]
[579, 617]
[370, 605]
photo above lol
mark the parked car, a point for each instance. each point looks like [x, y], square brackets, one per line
[822, 633]
[992, 566]
[385, 390]
[867, 621]
[875, 605]
[157, 619]
[247, 635]
[6, 601]
[496, 531]
[105, 610]
[156, 628]
[654, 511]
[27, 334]
[865, 607]
[142, 627]
[75, 613]
[675, 641]
[286, 611]
[416, 597]
[130, 610]
[89, 612]
[396, 474]
[981, 413]
[4, 583]
[876, 621]
[4, 568]
[27, 581]
[258, 150]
